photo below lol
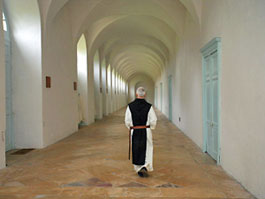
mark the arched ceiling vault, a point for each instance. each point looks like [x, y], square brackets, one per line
[128, 30]
[141, 59]
[137, 37]
[111, 47]
[143, 51]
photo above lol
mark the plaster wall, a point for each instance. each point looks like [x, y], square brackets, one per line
[91, 93]
[187, 83]
[60, 102]
[104, 84]
[24, 21]
[242, 85]
[109, 94]
[241, 26]
[162, 98]
[158, 95]
[113, 101]
[111, 90]
[98, 87]
[2, 96]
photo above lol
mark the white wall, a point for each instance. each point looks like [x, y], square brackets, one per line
[242, 30]
[162, 103]
[24, 21]
[60, 102]
[113, 95]
[121, 95]
[110, 90]
[2, 95]
[91, 94]
[187, 83]
[108, 87]
[104, 83]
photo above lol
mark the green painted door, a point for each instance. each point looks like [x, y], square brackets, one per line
[170, 97]
[211, 95]
[212, 104]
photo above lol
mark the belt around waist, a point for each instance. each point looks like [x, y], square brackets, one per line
[140, 127]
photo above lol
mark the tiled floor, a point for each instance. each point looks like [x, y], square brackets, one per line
[93, 163]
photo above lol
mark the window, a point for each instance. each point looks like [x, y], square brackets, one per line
[4, 23]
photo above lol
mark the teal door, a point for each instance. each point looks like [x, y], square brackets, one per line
[170, 97]
[9, 113]
[161, 96]
[211, 111]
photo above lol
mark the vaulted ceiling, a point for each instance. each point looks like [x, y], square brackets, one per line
[136, 36]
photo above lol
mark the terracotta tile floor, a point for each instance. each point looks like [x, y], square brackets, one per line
[93, 163]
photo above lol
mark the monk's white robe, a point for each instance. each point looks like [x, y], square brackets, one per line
[151, 120]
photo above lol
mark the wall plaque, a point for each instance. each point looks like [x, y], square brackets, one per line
[48, 82]
[75, 86]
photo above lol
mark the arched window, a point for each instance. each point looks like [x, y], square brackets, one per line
[4, 22]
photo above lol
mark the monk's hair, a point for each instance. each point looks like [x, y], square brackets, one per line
[140, 92]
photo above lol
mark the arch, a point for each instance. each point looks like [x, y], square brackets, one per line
[98, 86]
[154, 9]
[153, 58]
[82, 71]
[156, 29]
[25, 28]
[101, 21]
[194, 9]
[52, 7]
[114, 46]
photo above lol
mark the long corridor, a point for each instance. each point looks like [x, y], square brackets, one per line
[93, 163]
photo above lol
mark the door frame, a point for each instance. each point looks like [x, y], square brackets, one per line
[212, 46]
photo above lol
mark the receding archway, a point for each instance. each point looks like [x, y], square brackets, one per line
[82, 81]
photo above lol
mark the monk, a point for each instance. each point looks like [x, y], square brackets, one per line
[140, 118]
